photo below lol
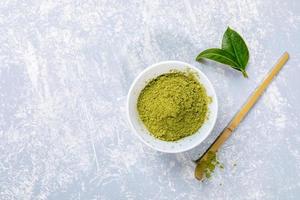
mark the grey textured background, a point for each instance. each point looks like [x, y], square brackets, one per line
[65, 70]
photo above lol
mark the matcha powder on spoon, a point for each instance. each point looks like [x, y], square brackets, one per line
[173, 105]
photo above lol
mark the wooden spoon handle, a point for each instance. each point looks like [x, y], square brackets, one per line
[258, 92]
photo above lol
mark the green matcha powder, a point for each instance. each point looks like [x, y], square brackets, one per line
[173, 105]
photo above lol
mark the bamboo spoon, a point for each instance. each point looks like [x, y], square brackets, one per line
[224, 135]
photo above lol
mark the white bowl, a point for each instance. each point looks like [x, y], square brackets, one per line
[137, 125]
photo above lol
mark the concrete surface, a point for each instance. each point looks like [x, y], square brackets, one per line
[65, 70]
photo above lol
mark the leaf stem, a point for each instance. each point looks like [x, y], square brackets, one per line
[244, 73]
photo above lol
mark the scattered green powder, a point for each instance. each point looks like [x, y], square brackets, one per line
[173, 105]
[208, 165]
[221, 166]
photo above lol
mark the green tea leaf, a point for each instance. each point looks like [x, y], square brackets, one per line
[233, 43]
[234, 52]
[218, 55]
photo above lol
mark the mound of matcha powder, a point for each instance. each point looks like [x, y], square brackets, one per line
[173, 105]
